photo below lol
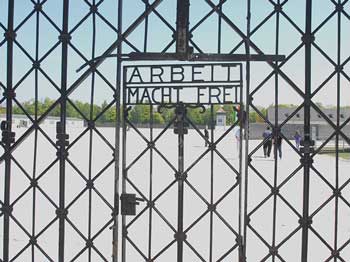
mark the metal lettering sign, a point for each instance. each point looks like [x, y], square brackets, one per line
[209, 83]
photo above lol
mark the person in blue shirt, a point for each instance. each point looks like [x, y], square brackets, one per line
[297, 139]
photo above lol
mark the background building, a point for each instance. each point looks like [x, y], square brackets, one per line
[221, 117]
[20, 121]
[320, 127]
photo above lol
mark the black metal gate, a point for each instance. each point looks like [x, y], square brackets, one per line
[59, 187]
[169, 178]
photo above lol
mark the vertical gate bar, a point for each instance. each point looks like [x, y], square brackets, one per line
[150, 185]
[180, 217]
[336, 211]
[182, 27]
[307, 139]
[276, 137]
[9, 89]
[150, 197]
[211, 181]
[243, 256]
[219, 30]
[212, 151]
[91, 117]
[242, 135]
[35, 155]
[34, 188]
[63, 101]
[146, 28]
[124, 172]
[117, 97]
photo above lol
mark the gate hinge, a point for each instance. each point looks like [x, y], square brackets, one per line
[129, 203]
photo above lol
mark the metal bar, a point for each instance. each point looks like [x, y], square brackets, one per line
[243, 253]
[91, 134]
[211, 183]
[180, 210]
[182, 28]
[115, 255]
[239, 177]
[9, 89]
[154, 56]
[35, 154]
[337, 140]
[151, 152]
[62, 160]
[307, 139]
[124, 168]
[204, 57]
[276, 139]
[146, 27]
[219, 31]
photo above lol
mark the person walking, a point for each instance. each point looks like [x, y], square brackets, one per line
[268, 142]
[297, 139]
[278, 142]
[206, 135]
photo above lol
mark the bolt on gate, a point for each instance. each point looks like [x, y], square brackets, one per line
[60, 197]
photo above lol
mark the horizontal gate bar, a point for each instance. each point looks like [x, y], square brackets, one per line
[191, 57]
[206, 57]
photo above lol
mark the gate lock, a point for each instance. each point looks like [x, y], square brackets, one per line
[129, 203]
[8, 137]
[181, 127]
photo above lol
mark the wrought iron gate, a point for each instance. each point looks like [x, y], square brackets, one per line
[59, 194]
[170, 187]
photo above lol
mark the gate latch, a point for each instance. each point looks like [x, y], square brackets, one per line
[8, 137]
[129, 203]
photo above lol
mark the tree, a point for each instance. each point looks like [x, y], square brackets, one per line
[139, 114]
[252, 117]
[167, 114]
[158, 118]
[111, 114]
[195, 115]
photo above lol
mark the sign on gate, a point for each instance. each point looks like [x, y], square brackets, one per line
[183, 83]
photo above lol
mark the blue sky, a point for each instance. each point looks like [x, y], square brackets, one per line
[159, 35]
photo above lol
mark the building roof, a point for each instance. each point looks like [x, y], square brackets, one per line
[221, 111]
[316, 117]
